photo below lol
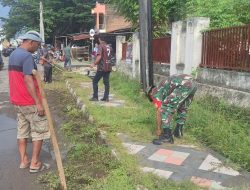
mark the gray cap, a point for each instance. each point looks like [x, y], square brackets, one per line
[32, 35]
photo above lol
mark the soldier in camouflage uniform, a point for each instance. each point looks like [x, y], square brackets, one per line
[174, 94]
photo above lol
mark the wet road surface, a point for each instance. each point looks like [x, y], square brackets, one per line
[11, 177]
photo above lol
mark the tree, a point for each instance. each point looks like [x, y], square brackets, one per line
[17, 20]
[221, 13]
[242, 10]
[60, 16]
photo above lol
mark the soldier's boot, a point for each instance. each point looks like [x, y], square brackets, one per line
[178, 131]
[167, 136]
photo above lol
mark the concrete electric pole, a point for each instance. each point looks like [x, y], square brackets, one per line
[41, 21]
[146, 62]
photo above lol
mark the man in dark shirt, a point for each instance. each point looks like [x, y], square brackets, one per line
[46, 64]
[67, 52]
[103, 69]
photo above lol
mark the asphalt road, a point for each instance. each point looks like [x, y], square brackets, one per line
[11, 177]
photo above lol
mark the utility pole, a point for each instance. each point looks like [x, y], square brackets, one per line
[150, 58]
[41, 21]
[146, 63]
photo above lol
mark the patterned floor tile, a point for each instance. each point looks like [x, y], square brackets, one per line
[157, 157]
[112, 101]
[169, 156]
[215, 165]
[110, 104]
[187, 146]
[206, 183]
[133, 148]
[161, 173]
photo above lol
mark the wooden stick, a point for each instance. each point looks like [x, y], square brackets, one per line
[57, 67]
[52, 131]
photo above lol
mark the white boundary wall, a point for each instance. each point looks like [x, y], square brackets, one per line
[186, 44]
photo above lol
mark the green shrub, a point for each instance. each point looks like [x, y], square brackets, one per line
[222, 127]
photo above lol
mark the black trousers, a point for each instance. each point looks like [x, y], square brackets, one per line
[98, 76]
[47, 72]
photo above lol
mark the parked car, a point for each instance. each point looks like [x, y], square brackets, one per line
[1, 61]
[7, 51]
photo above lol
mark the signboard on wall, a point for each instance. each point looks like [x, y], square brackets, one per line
[129, 53]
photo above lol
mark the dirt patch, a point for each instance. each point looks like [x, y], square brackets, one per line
[57, 99]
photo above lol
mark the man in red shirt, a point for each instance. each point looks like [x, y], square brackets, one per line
[25, 96]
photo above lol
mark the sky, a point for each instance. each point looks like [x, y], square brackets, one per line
[3, 12]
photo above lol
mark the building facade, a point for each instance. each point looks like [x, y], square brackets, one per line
[107, 20]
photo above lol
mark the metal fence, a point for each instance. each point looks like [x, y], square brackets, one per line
[161, 50]
[124, 50]
[227, 48]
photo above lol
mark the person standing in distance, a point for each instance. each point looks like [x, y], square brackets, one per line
[25, 96]
[67, 52]
[46, 64]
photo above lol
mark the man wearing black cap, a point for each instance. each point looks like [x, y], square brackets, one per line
[25, 96]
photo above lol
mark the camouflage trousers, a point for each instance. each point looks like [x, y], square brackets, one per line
[178, 101]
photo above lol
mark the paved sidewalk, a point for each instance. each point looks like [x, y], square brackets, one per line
[178, 162]
[186, 162]
[113, 100]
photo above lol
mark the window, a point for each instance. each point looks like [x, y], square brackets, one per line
[101, 21]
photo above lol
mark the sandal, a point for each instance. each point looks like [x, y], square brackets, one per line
[24, 166]
[44, 166]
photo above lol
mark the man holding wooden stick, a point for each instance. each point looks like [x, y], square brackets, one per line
[26, 97]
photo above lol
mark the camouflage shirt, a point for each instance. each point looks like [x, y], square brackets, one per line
[172, 94]
[166, 87]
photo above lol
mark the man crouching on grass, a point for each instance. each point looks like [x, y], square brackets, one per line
[173, 94]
